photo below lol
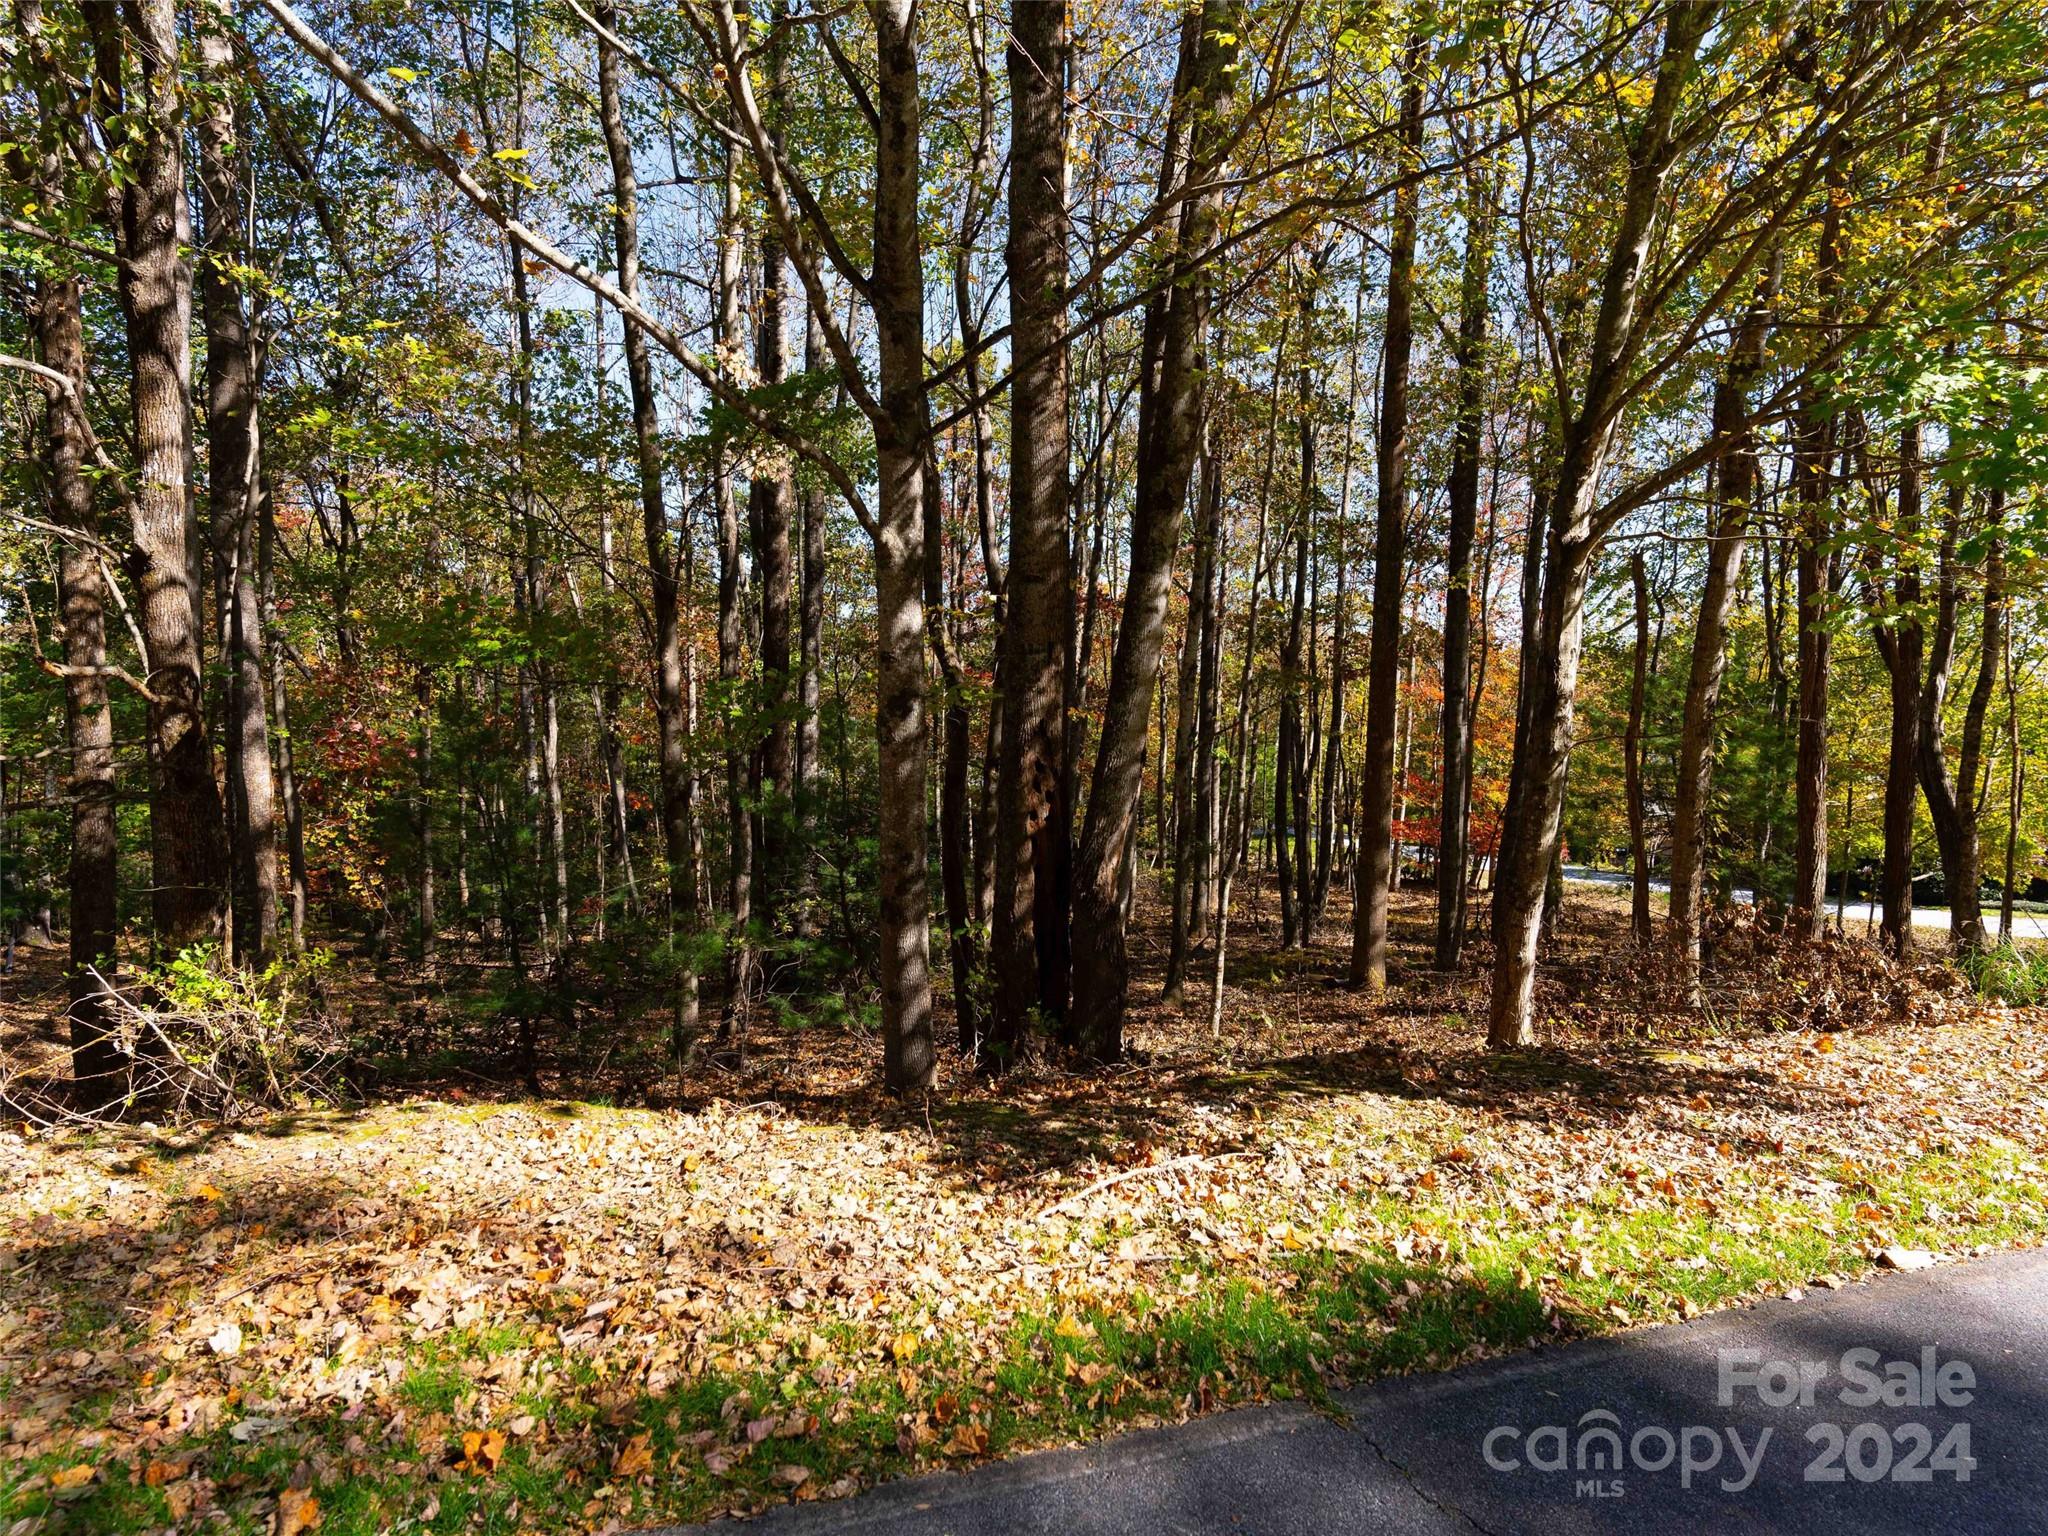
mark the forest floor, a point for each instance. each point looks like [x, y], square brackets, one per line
[461, 1306]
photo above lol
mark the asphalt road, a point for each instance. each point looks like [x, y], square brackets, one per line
[1479, 1450]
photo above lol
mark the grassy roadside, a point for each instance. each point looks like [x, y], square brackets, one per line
[1194, 1293]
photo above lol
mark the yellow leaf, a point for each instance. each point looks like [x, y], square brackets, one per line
[482, 1449]
[400, 72]
[1071, 1327]
[207, 1192]
[67, 1478]
[634, 1458]
[903, 1347]
[510, 154]
[297, 1510]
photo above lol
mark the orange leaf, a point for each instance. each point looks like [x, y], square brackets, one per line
[634, 1457]
[297, 1510]
[968, 1440]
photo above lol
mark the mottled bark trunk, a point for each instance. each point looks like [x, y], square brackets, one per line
[771, 492]
[674, 685]
[810, 665]
[1632, 759]
[1813, 446]
[897, 289]
[739, 825]
[1187, 837]
[1903, 644]
[1735, 490]
[1543, 739]
[188, 834]
[1032, 862]
[1375, 869]
[1169, 429]
[1952, 800]
[96, 1064]
[1454, 805]
[234, 475]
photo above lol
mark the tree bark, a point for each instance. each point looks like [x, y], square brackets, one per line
[188, 836]
[1952, 802]
[1903, 644]
[1813, 447]
[898, 296]
[810, 667]
[1530, 841]
[1169, 429]
[1187, 837]
[1032, 861]
[1735, 493]
[739, 951]
[1375, 869]
[234, 467]
[770, 492]
[96, 1064]
[1454, 806]
[1632, 759]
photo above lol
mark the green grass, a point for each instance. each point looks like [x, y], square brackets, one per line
[1486, 1275]
[2011, 973]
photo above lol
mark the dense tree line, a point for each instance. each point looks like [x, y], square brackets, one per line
[695, 495]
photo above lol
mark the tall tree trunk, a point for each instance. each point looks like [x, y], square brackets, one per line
[1813, 437]
[1169, 430]
[1454, 805]
[424, 915]
[897, 288]
[1187, 729]
[187, 832]
[739, 967]
[1903, 644]
[1208, 806]
[1530, 841]
[2015, 793]
[1287, 736]
[810, 646]
[96, 1063]
[1632, 759]
[671, 685]
[233, 477]
[1375, 870]
[1736, 483]
[1032, 861]
[1965, 896]
[1953, 803]
[770, 493]
[287, 752]
[956, 730]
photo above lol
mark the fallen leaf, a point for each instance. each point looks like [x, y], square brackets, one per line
[68, 1478]
[968, 1440]
[482, 1450]
[636, 1457]
[790, 1476]
[297, 1510]
[226, 1340]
